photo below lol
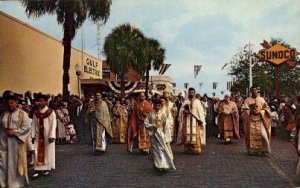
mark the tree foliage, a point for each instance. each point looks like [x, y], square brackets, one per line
[124, 48]
[155, 55]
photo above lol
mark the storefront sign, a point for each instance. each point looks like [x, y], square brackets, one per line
[277, 54]
[92, 68]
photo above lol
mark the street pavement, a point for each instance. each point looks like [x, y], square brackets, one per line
[218, 165]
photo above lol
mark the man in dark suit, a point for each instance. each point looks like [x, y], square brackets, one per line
[79, 119]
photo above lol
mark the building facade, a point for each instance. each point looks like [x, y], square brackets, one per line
[33, 60]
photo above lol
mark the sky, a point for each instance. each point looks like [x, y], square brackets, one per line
[193, 32]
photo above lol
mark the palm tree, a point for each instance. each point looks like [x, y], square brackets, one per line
[155, 56]
[124, 48]
[71, 14]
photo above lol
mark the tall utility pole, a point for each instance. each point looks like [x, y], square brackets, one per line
[98, 40]
[250, 65]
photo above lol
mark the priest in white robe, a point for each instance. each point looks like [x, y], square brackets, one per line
[14, 131]
[192, 132]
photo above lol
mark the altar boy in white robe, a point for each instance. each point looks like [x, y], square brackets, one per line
[43, 136]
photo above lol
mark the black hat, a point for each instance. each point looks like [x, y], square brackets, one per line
[12, 97]
[41, 96]
[155, 102]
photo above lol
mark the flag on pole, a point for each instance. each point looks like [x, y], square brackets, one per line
[163, 68]
[229, 85]
[265, 44]
[197, 69]
[186, 85]
[215, 85]
[224, 66]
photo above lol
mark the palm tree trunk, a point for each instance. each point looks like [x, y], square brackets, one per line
[68, 35]
[147, 80]
[122, 86]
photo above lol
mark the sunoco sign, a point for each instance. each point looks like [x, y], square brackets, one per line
[277, 54]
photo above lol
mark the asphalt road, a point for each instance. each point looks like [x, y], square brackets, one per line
[218, 165]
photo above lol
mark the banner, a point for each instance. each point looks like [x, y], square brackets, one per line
[229, 85]
[215, 85]
[197, 69]
[163, 68]
[186, 85]
[116, 86]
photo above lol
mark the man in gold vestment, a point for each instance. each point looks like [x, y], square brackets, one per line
[119, 122]
[191, 131]
[257, 124]
[228, 120]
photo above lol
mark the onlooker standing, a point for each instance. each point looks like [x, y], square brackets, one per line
[274, 120]
[83, 129]
[63, 119]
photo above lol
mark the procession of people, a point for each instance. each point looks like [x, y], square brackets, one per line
[32, 125]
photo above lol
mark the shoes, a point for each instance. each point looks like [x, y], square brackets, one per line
[35, 175]
[46, 173]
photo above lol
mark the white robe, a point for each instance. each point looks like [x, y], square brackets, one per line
[9, 146]
[50, 124]
[167, 109]
[197, 112]
[160, 137]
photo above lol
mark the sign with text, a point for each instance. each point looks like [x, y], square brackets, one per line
[92, 68]
[277, 54]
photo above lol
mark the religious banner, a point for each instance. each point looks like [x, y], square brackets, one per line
[186, 85]
[215, 85]
[197, 69]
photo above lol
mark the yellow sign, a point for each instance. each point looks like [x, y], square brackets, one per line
[277, 54]
[92, 68]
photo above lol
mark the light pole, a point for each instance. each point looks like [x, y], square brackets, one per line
[78, 73]
[251, 64]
